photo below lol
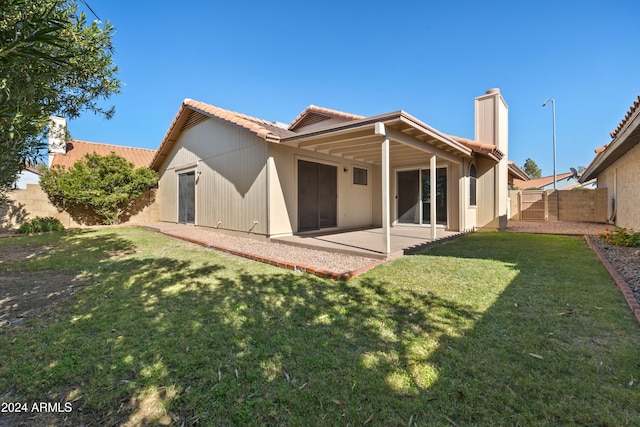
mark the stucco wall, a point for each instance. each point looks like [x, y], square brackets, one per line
[355, 202]
[33, 202]
[622, 180]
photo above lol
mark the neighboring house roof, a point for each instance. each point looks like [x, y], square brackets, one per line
[625, 137]
[589, 184]
[517, 172]
[76, 150]
[346, 127]
[540, 182]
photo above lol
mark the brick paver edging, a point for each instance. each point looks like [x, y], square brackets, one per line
[327, 274]
[618, 279]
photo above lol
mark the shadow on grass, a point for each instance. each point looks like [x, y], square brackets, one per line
[218, 341]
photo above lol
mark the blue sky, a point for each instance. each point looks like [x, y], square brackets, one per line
[430, 58]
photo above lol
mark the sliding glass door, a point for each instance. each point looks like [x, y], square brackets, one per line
[414, 196]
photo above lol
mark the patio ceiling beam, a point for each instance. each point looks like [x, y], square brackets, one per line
[421, 145]
[357, 151]
[326, 146]
[345, 137]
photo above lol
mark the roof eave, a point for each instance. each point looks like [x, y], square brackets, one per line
[626, 138]
[386, 118]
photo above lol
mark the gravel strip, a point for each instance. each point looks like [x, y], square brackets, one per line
[317, 259]
[626, 262]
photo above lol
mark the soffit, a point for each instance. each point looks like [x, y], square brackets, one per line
[356, 140]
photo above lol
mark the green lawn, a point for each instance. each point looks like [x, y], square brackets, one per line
[490, 329]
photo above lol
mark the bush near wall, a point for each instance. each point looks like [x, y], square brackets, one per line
[39, 225]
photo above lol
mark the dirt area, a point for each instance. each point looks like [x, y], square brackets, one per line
[558, 227]
[24, 295]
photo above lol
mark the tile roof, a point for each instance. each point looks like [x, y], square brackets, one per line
[321, 111]
[479, 147]
[264, 129]
[626, 118]
[76, 150]
[540, 182]
[619, 145]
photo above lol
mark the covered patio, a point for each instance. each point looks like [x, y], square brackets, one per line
[394, 143]
[369, 242]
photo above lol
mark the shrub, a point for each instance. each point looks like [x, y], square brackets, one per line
[622, 237]
[106, 186]
[38, 225]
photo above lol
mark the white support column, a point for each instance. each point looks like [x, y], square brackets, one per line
[386, 194]
[432, 196]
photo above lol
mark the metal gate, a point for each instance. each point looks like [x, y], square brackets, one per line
[533, 206]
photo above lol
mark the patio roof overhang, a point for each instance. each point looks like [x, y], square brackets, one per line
[357, 140]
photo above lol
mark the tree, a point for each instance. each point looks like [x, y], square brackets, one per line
[105, 186]
[531, 168]
[51, 63]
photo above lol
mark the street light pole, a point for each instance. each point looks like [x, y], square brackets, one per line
[553, 109]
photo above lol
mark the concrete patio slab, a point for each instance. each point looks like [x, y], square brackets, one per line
[368, 242]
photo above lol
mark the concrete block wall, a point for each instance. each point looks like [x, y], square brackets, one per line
[33, 202]
[570, 205]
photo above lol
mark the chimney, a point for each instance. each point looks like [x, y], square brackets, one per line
[57, 137]
[492, 127]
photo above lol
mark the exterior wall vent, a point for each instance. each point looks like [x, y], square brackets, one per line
[194, 119]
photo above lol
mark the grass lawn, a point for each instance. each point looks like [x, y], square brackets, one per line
[490, 329]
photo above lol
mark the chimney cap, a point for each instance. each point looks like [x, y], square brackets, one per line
[494, 90]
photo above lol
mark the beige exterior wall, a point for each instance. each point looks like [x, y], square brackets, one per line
[33, 202]
[487, 217]
[241, 180]
[231, 177]
[492, 127]
[355, 202]
[623, 185]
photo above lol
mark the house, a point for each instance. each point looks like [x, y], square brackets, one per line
[616, 166]
[516, 174]
[330, 171]
[30, 201]
[67, 152]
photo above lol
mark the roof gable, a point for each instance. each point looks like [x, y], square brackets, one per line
[76, 150]
[313, 115]
[192, 113]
